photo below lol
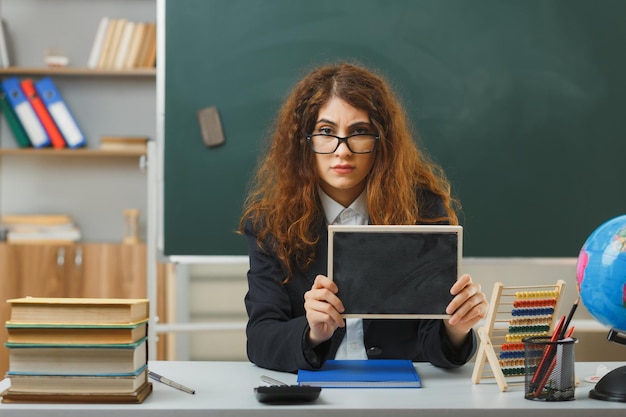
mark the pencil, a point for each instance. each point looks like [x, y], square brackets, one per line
[547, 362]
[547, 356]
[543, 381]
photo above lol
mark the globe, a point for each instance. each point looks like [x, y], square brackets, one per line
[601, 273]
[601, 282]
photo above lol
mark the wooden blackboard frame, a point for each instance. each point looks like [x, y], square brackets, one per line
[395, 272]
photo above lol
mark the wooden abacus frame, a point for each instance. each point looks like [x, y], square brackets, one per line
[498, 322]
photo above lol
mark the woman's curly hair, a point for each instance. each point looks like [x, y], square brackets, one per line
[283, 201]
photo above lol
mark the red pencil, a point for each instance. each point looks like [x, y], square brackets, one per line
[548, 352]
[543, 381]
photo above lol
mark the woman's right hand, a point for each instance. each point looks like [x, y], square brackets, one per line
[323, 310]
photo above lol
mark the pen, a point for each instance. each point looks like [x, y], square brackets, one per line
[170, 383]
[271, 381]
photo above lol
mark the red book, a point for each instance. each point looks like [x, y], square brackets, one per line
[56, 138]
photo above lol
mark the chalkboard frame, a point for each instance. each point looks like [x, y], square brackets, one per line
[395, 272]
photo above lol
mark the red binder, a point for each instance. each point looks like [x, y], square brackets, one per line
[56, 138]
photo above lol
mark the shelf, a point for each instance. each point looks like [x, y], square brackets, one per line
[104, 102]
[45, 242]
[71, 152]
[74, 71]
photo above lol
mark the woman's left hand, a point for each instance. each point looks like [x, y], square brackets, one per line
[467, 308]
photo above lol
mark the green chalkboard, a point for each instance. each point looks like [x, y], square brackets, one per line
[523, 102]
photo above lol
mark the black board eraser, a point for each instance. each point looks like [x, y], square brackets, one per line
[210, 126]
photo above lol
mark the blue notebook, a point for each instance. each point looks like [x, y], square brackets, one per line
[373, 373]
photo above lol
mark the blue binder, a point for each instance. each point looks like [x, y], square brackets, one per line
[49, 94]
[14, 123]
[25, 113]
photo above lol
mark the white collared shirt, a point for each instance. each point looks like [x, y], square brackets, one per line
[352, 346]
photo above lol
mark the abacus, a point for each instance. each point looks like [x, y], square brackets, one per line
[514, 313]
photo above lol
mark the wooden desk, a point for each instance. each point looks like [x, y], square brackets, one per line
[226, 389]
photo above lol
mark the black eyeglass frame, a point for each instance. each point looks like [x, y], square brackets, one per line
[340, 140]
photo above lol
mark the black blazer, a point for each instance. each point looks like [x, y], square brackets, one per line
[277, 326]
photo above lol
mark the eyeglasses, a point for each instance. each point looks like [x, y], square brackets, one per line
[357, 143]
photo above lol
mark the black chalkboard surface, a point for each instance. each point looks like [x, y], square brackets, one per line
[520, 101]
[394, 271]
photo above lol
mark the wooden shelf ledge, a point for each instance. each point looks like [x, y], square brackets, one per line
[74, 71]
[51, 152]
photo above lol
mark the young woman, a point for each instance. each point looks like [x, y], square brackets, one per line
[342, 153]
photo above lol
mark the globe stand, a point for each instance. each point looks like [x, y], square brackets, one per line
[612, 386]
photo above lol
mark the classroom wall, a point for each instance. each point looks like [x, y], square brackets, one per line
[215, 295]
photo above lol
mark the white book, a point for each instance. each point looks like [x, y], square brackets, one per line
[122, 50]
[4, 53]
[95, 359]
[96, 48]
[116, 36]
[85, 384]
[135, 45]
[50, 234]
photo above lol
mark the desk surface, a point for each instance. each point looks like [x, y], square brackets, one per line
[226, 389]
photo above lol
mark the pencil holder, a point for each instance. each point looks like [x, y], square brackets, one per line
[549, 369]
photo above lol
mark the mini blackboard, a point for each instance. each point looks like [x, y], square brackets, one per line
[394, 271]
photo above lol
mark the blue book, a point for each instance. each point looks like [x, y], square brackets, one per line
[372, 373]
[65, 121]
[25, 112]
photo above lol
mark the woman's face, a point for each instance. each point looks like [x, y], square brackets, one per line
[343, 174]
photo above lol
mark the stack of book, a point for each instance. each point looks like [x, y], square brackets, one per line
[121, 44]
[77, 350]
[38, 115]
[40, 228]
